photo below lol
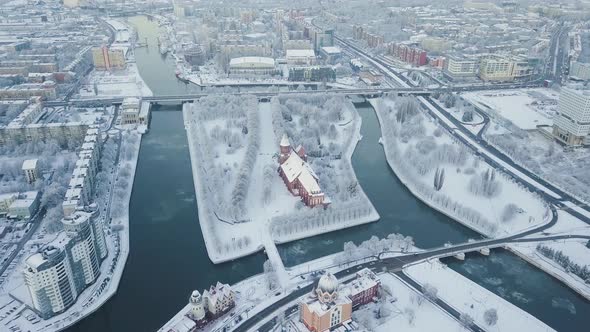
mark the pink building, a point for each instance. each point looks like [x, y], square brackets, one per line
[298, 176]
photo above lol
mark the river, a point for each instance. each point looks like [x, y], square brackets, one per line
[168, 258]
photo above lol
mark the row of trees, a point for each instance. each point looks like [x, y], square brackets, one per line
[318, 219]
[485, 184]
[240, 190]
[215, 184]
[375, 246]
[582, 271]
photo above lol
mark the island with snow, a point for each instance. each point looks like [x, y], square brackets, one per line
[273, 172]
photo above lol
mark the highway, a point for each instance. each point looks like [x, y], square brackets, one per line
[478, 144]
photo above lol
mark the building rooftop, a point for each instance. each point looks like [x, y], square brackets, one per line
[332, 49]
[301, 53]
[252, 60]
[30, 164]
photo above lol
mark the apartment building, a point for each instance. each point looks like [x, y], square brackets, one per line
[504, 69]
[31, 170]
[580, 70]
[81, 187]
[572, 123]
[63, 269]
[460, 67]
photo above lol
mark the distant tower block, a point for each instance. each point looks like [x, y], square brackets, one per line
[197, 309]
[30, 169]
[285, 148]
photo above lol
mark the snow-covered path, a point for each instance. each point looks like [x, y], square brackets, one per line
[274, 257]
[259, 213]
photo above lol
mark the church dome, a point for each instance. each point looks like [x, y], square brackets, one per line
[195, 297]
[328, 283]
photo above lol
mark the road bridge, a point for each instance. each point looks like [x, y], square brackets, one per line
[262, 95]
[392, 264]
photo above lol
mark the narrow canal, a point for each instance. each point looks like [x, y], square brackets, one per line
[168, 258]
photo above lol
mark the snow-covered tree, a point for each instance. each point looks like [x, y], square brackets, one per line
[430, 291]
[509, 212]
[490, 316]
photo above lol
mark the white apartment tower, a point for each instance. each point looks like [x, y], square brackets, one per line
[58, 273]
[572, 123]
[48, 275]
[30, 170]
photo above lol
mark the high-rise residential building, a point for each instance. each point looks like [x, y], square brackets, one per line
[105, 58]
[572, 123]
[59, 272]
[30, 170]
[49, 278]
[580, 70]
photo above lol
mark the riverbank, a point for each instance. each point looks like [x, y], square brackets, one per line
[574, 283]
[470, 299]
[481, 214]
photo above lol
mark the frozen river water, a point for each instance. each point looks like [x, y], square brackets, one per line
[168, 258]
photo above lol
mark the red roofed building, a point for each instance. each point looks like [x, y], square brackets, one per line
[298, 176]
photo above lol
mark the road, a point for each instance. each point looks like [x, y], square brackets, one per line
[478, 145]
[395, 264]
[35, 222]
[558, 54]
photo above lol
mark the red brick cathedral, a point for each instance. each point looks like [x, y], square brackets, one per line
[298, 176]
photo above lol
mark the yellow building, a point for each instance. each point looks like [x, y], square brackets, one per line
[504, 69]
[108, 59]
[324, 309]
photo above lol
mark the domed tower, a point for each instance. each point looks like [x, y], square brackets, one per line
[285, 146]
[197, 308]
[327, 290]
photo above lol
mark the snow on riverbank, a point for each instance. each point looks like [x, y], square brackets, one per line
[467, 297]
[401, 312]
[470, 192]
[576, 252]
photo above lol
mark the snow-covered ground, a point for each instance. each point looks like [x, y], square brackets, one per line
[467, 297]
[526, 108]
[402, 312]
[419, 150]
[120, 83]
[565, 168]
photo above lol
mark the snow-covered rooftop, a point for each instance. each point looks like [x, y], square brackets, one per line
[30, 164]
[253, 61]
[300, 53]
